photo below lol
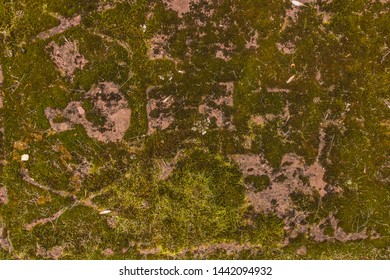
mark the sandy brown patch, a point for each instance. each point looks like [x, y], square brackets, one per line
[64, 25]
[108, 101]
[67, 57]
[257, 120]
[3, 195]
[180, 6]
[5, 242]
[293, 177]
[317, 231]
[276, 199]
[46, 220]
[224, 51]
[157, 47]
[108, 252]
[316, 174]
[215, 107]
[1, 83]
[251, 164]
[252, 42]
[54, 253]
[286, 48]
[149, 251]
[159, 110]
[301, 251]
[1, 76]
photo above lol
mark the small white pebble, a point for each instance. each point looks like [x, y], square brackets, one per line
[297, 3]
[25, 157]
[290, 79]
[104, 212]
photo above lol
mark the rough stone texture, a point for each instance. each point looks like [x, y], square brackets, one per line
[67, 57]
[108, 101]
[180, 6]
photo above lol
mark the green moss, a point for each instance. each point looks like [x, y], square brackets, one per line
[337, 102]
[260, 183]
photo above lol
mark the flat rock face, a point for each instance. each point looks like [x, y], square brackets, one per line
[108, 102]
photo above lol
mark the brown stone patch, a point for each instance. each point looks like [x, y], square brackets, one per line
[159, 111]
[286, 48]
[214, 107]
[67, 57]
[252, 43]
[5, 243]
[276, 199]
[157, 47]
[251, 164]
[1, 76]
[301, 251]
[224, 51]
[3, 195]
[316, 174]
[293, 177]
[180, 6]
[108, 101]
[317, 231]
[64, 25]
[257, 120]
[108, 252]
[1, 83]
[44, 221]
[54, 253]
